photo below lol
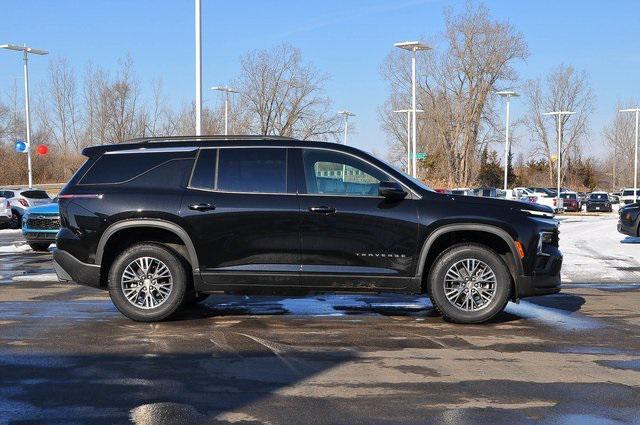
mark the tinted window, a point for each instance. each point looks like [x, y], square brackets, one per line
[119, 168]
[205, 170]
[334, 173]
[8, 194]
[252, 170]
[171, 174]
[629, 192]
[35, 194]
[568, 196]
[599, 197]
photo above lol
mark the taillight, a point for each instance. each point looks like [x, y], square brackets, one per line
[23, 202]
[8, 205]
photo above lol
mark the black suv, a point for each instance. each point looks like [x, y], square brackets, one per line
[161, 223]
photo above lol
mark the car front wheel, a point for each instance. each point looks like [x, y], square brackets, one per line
[148, 282]
[469, 283]
[39, 246]
[16, 220]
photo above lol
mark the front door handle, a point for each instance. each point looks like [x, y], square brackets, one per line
[323, 210]
[202, 207]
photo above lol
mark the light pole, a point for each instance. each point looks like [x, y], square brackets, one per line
[25, 51]
[559, 114]
[413, 47]
[198, 49]
[226, 91]
[346, 115]
[507, 94]
[408, 112]
[635, 155]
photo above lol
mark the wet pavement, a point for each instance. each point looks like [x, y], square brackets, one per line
[67, 356]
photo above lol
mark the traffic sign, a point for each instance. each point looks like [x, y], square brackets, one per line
[421, 155]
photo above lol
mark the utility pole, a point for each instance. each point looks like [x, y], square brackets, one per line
[635, 156]
[507, 148]
[198, 46]
[25, 51]
[559, 114]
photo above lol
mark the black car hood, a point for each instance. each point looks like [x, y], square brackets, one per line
[501, 203]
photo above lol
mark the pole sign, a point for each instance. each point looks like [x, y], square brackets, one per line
[21, 147]
[421, 156]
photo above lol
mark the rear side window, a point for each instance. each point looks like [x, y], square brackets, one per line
[252, 170]
[204, 173]
[114, 168]
[35, 194]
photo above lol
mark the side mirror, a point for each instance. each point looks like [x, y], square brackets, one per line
[392, 191]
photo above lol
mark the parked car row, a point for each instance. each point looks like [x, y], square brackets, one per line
[32, 210]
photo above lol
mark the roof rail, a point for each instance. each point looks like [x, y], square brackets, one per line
[204, 138]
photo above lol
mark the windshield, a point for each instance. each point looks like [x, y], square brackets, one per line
[599, 197]
[629, 192]
[35, 194]
[414, 180]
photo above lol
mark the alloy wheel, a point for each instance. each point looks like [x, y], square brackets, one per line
[146, 282]
[470, 285]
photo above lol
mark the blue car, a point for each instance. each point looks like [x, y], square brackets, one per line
[40, 225]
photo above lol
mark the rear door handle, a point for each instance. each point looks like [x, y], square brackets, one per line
[323, 210]
[202, 207]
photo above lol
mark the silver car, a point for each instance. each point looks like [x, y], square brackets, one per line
[21, 199]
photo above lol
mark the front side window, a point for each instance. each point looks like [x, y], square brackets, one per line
[261, 170]
[335, 173]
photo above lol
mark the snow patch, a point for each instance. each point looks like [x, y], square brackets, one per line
[551, 316]
[45, 277]
[15, 248]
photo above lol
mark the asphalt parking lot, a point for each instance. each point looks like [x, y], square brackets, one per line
[67, 356]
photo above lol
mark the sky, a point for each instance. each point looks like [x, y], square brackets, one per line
[347, 39]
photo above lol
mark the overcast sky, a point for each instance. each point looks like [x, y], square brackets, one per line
[346, 39]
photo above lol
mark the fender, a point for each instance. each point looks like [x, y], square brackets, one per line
[448, 228]
[156, 223]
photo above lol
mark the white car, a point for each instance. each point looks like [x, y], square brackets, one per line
[627, 197]
[21, 199]
[540, 197]
[5, 211]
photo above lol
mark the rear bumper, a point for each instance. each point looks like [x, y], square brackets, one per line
[545, 279]
[70, 269]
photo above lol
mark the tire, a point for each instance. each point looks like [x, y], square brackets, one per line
[141, 307]
[39, 246]
[16, 220]
[477, 309]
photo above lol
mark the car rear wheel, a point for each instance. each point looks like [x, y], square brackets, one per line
[469, 283]
[39, 246]
[148, 282]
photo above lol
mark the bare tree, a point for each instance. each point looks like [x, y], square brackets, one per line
[620, 137]
[475, 58]
[563, 89]
[284, 96]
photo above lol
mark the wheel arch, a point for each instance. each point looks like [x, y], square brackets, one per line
[168, 226]
[427, 252]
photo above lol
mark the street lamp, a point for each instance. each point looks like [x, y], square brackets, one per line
[198, 48]
[559, 114]
[507, 94]
[635, 157]
[226, 91]
[413, 47]
[346, 115]
[408, 112]
[26, 50]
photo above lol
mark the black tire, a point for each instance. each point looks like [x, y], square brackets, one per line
[451, 256]
[178, 275]
[40, 246]
[16, 220]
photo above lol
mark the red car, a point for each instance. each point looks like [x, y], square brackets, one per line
[571, 201]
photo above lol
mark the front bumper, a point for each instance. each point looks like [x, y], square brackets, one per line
[628, 229]
[545, 278]
[70, 269]
[35, 236]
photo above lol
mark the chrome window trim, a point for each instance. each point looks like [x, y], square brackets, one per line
[152, 150]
